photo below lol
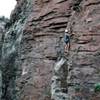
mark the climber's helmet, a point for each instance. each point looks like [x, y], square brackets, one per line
[66, 31]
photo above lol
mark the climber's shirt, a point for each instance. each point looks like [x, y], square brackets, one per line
[66, 38]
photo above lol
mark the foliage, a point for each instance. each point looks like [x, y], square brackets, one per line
[97, 87]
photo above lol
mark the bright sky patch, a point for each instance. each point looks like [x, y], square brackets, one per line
[6, 6]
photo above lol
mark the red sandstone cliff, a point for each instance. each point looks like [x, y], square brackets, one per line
[34, 41]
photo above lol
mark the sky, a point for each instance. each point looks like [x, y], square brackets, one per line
[6, 6]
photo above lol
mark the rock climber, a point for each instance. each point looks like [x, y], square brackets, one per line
[67, 41]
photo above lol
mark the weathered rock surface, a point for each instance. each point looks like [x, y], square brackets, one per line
[85, 49]
[3, 21]
[34, 41]
[59, 87]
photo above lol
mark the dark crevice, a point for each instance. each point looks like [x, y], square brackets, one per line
[41, 35]
[87, 51]
[58, 27]
[76, 5]
[41, 17]
[58, 23]
[51, 58]
[61, 1]
[94, 3]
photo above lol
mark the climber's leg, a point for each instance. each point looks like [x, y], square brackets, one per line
[67, 47]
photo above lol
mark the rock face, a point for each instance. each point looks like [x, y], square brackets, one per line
[84, 53]
[34, 42]
[3, 21]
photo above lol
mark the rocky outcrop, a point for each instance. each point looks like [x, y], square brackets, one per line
[3, 21]
[33, 44]
[59, 86]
